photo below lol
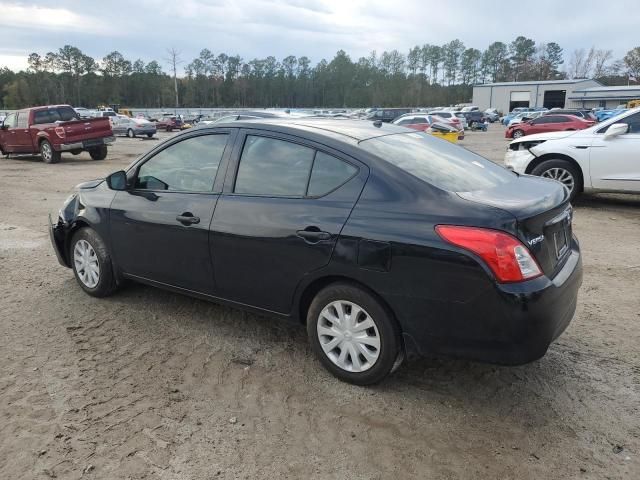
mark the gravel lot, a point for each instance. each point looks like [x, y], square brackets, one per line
[150, 384]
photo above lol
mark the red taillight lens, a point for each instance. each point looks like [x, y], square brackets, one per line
[509, 260]
[60, 132]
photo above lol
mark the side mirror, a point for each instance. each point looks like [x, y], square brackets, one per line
[615, 130]
[117, 180]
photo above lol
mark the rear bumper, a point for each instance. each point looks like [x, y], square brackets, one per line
[512, 325]
[66, 147]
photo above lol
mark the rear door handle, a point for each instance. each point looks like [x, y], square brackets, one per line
[187, 218]
[313, 236]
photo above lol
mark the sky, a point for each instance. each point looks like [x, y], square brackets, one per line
[316, 28]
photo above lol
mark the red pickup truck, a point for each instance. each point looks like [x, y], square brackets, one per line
[52, 130]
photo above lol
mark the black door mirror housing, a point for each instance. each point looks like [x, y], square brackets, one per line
[117, 180]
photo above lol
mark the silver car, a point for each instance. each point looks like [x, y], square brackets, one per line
[132, 127]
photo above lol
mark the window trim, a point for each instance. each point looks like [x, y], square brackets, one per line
[135, 168]
[237, 157]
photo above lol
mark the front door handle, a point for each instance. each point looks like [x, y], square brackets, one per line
[313, 235]
[187, 218]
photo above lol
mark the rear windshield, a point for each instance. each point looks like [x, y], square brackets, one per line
[438, 162]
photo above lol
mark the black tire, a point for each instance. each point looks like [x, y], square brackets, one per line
[131, 133]
[545, 170]
[98, 153]
[49, 155]
[106, 283]
[150, 135]
[168, 129]
[517, 134]
[389, 334]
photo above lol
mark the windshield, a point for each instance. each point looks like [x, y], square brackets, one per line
[437, 162]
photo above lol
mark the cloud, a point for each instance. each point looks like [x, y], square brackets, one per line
[315, 28]
[15, 15]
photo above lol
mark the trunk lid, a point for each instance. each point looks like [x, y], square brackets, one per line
[86, 129]
[543, 216]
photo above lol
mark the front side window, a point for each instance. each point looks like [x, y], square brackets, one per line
[438, 163]
[187, 166]
[10, 121]
[269, 166]
[632, 120]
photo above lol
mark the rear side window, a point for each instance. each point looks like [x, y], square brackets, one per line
[270, 166]
[328, 174]
[187, 166]
[438, 163]
[23, 120]
[42, 116]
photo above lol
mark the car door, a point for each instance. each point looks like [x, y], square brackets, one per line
[284, 205]
[160, 225]
[24, 143]
[614, 163]
[9, 133]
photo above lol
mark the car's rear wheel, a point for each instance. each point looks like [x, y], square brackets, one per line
[564, 172]
[518, 134]
[150, 135]
[353, 334]
[131, 133]
[91, 263]
[49, 155]
[98, 153]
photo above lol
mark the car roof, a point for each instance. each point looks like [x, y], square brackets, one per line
[346, 130]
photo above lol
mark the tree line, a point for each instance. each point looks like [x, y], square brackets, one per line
[425, 75]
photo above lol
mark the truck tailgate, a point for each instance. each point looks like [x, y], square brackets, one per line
[86, 129]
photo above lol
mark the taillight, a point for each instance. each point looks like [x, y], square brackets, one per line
[59, 131]
[509, 260]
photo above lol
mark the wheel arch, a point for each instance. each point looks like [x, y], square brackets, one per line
[407, 344]
[555, 156]
[311, 290]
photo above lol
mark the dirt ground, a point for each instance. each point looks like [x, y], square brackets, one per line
[150, 384]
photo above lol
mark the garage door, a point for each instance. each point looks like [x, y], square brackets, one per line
[520, 97]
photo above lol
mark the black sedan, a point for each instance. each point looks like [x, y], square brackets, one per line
[383, 241]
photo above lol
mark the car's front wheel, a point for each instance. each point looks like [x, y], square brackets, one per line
[564, 172]
[91, 263]
[131, 133]
[353, 334]
[518, 134]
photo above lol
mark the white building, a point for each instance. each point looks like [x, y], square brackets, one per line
[505, 96]
[607, 97]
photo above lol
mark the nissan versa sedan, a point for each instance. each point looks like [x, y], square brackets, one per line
[384, 242]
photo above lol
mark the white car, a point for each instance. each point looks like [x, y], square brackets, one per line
[605, 157]
[463, 119]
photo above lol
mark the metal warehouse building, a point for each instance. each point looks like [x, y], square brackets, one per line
[607, 97]
[505, 96]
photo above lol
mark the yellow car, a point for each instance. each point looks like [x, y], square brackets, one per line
[445, 132]
[185, 126]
